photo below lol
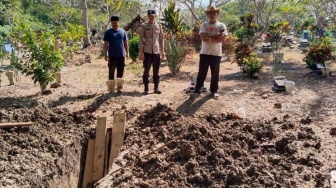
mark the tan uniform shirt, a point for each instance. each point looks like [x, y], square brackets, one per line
[151, 38]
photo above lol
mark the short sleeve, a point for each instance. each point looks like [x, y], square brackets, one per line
[203, 28]
[105, 36]
[225, 30]
[125, 36]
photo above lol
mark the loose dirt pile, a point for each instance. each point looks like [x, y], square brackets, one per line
[47, 154]
[216, 151]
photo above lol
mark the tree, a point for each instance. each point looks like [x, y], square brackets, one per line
[86, 39]
[194, 5]
[171, 20]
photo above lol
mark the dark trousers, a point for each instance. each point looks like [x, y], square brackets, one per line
[205, 62]
[151, 59]
[116, 62]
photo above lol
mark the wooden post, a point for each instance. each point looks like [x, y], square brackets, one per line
[118, 133]
[88, 170]
[10, 76]
[15, 124]
[99, 154]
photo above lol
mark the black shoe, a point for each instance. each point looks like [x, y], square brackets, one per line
[157, 91]
[145, 92]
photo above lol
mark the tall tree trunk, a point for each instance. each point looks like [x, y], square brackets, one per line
[86, 39]
[193, 19]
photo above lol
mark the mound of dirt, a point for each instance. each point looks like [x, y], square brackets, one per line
[216, 151]
[47, 154]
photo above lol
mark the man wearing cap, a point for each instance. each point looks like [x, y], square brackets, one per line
[212, 33]
[151, 50]
[115, 48]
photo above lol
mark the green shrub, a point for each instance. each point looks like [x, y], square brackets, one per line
[229, 45]
[242, 51]
[320, 51]
[175, 53]
[43, 60]
[252, 65]
[134, 48]
[172, 20]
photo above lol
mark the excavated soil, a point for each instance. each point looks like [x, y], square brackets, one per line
[47, 154]
[216, 150]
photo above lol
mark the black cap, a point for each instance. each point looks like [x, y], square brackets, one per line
[151, 12]
[114, 18]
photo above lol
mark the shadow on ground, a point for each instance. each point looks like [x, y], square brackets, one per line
[19, 102]
[67, 99]
[190, 106]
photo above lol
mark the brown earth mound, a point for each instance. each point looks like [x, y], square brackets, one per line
[47, 154]
[216, 151]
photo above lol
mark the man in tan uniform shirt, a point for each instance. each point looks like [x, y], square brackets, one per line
[151, 46]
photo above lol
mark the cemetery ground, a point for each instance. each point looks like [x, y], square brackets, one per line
[285, 140]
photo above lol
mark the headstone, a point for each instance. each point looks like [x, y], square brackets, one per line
[88, 59]
[10, 76]
[319, 66]
[279, 84]
[304, 45]
[289, 85]
[266, 47]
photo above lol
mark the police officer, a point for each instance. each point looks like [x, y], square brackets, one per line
[150, 48]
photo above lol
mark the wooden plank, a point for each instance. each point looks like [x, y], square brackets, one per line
[88, 170]
[148, 152]
[99, 154]
[333, 179]
[107, 150]
[15, 124]
[115, 167]
[118, 133]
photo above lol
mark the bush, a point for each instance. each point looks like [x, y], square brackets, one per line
[252, 65]
[229, 44]
[43, 61]
[320, 51]
[175, 54]
[243, 51]
[134, 48]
